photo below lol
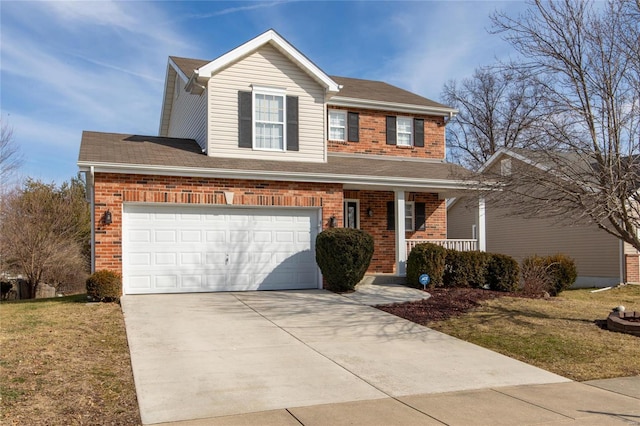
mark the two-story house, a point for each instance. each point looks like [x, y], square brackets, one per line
[258, 151]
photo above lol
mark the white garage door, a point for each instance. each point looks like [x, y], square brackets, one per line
[179, 249]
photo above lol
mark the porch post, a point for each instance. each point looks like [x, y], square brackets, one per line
[482, 233]
[401, 243]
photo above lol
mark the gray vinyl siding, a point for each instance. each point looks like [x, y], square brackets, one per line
[265, 67]
[597, 254]
[188, 118]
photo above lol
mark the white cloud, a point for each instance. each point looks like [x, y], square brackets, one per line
[71, 66]
[437, 42]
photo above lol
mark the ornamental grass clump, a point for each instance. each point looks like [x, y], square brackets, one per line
[104, 286]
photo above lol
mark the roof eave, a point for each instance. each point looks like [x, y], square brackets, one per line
[391, 106]
[378, 181]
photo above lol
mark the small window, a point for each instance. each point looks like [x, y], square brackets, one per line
[505, 167]
[474, 232]
[337, 125]
[404, 129]
[409, 216]
[269, 119]
[351, 214]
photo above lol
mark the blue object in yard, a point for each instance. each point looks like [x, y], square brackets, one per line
[424, 280]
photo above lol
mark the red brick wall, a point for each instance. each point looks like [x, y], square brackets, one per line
[632, 268]
[111, 190]
[385, 244]
[373, 137]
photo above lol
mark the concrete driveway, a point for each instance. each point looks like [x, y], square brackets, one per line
[214, 354]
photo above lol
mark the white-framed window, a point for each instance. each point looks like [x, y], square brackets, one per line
[505, 167]
[404, 131]
[409, 216]
[337, 125]
[269, 112]
[351, 213]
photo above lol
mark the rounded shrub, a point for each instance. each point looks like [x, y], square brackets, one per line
[503, 273]
[104, 286]
[562, 272]
[343, 255]
[428, 259]
[465, 268]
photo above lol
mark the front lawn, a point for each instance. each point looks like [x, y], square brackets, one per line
[561, 334]
[63, 361]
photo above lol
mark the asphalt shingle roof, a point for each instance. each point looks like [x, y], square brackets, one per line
[127, 150]
[352, 87]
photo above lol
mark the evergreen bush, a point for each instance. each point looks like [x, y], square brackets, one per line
[343, 255]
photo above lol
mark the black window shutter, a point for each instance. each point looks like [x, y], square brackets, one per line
[245, 112]
[421, 216]
[353, 120]
[418, 132]
[391, 130]
[292, 123]
[391, 216]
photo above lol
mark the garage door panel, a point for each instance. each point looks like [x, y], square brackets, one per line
[198, 248]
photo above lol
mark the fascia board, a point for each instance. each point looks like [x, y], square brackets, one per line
[392, 106]
[281, 44]
[389, 182]
[182, 75]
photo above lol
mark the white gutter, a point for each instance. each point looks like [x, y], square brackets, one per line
[405, 182]
[392, 106]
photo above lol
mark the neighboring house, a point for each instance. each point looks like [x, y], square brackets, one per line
[601, 259]
[258, 151]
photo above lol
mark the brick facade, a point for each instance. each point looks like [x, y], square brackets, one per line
[632, 268]
[385, 241]
[112, 190]
[373, 137]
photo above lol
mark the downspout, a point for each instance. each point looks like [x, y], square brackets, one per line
[92, 204]
[623, 263]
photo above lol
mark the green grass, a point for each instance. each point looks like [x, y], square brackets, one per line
[560, 334]
[63, 361]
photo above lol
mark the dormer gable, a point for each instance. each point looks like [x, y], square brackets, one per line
[276, 40]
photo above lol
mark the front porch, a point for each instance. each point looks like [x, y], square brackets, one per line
[399, 219]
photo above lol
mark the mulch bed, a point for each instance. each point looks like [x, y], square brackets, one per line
[444, 303]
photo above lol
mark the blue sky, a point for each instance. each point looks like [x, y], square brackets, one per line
[93, 65]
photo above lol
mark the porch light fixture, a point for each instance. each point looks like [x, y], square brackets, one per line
[332, 222]
[370, 212]
[106, 218]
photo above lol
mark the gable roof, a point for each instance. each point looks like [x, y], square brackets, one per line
[140, 154]
[345, 91]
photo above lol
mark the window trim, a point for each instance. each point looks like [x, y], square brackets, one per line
[345, 128]
[271, 91]
[505, 167]
[410, 120]
[413, 215]
[344, 211]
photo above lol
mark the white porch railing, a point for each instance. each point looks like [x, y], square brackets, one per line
[452, 244]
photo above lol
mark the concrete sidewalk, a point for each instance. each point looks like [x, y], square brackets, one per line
[600, 402]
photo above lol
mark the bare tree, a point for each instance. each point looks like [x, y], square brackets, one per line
[41, 234]
[496, 109]
[583, 60]
[10, 156]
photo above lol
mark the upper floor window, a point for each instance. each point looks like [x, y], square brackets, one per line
[337, 125]
[405, 131]
[344, 126]
[267, 120]
[505, 167]
[268, 116]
